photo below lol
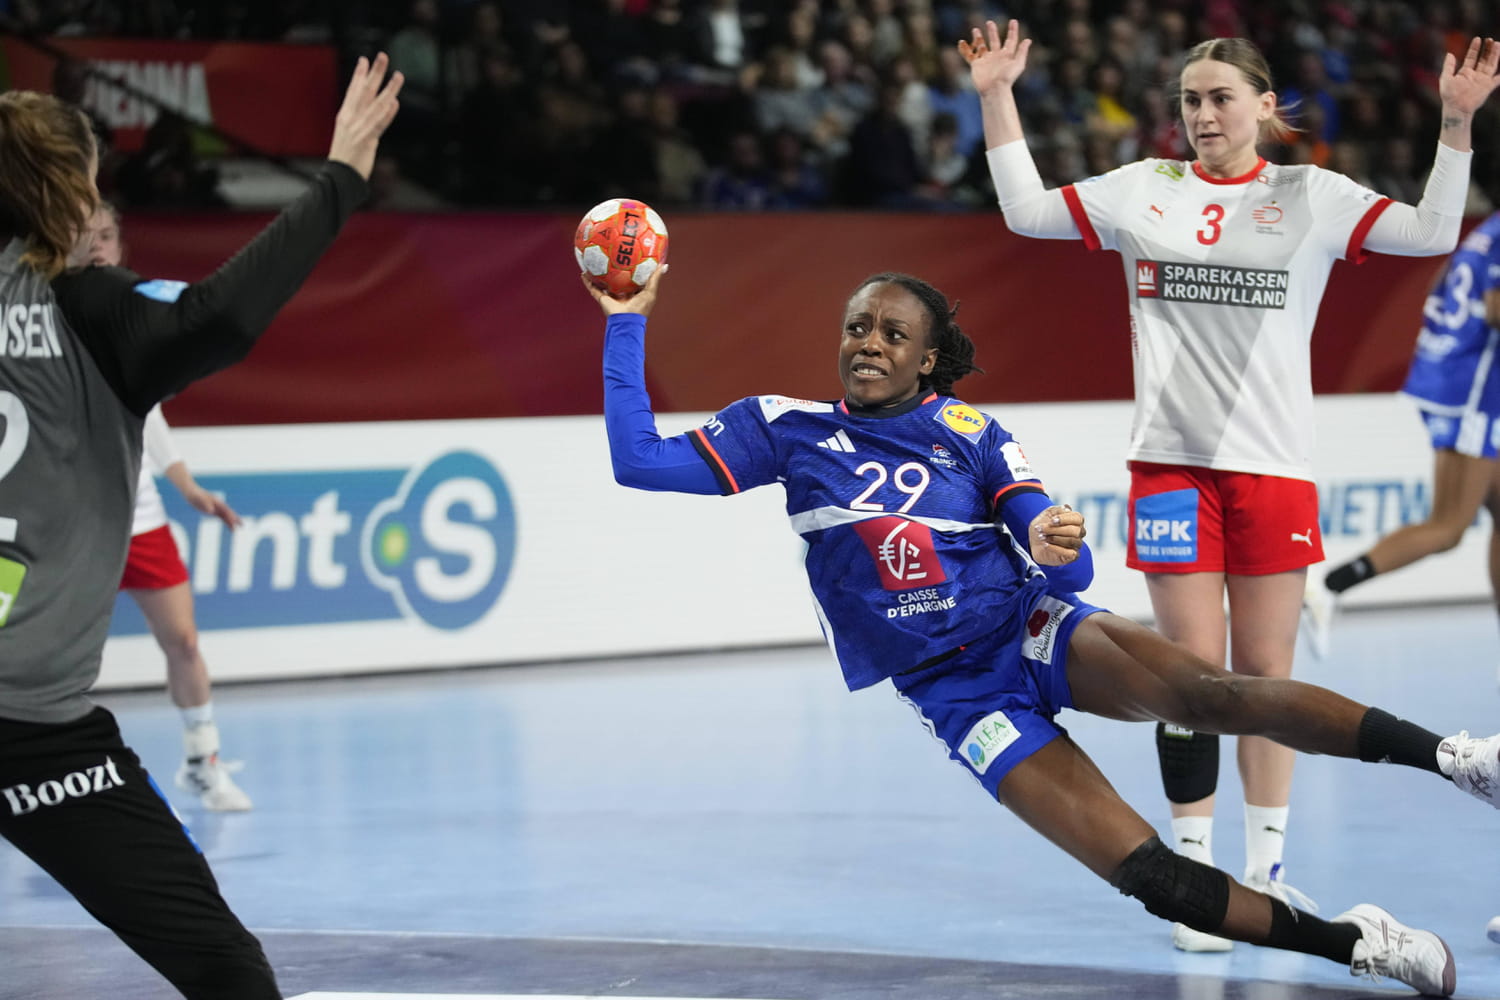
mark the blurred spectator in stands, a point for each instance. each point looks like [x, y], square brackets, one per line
[1070, 88]
[1157, 132]
[724, 39]
[951, 179]
[626, 148]
[779, 99]
[679, 164]
[1311, 87]
[952, 93]
[887, 32]
[1309, 144]
[668, 32]
[916, 103]
[922, 47]
[1134, 53]
[742, 182]
[572, 109]
[797, 179]
[417, 135]
[1109, 116]
[497, 121]
[843, 99]
[1394, 173]
[392, 191]
[1349, 159]
[882, 169]
[166, 172]
[614, 37]
[800, 31]
[483, 32]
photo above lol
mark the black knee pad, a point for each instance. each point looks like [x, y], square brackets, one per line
[1189, 763]
[1173, 887]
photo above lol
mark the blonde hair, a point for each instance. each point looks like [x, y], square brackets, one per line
[46, 185]
[1242, 54]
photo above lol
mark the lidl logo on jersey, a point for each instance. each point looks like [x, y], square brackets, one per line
[1211, 284]
[1166, 527]
[432, 543]
[961, 418]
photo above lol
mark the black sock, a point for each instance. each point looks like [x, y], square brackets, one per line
[1383, 737]
[1349, 574]
[1293, 930]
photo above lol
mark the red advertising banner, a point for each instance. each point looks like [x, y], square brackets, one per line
[412, 317]
[279, 98]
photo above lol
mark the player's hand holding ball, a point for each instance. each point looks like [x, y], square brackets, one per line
[1057, 534]
[621, 247]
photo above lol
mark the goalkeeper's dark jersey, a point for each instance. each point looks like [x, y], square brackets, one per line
[83, 358]
[905, 560]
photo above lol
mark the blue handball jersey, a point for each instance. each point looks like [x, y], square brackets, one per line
[1455, 352]
[905, 561]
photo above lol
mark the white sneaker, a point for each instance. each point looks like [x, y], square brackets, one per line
[202, 774]
[209, 780]
[1319, 605]
[1268, 881]
[1184, 938]
[1389, 949]
[1473, 764]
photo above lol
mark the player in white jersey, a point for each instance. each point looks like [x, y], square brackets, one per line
[1226, 258]
[155, 577]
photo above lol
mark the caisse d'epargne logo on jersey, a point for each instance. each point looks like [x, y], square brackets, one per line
[432, 542]
[1211, 284]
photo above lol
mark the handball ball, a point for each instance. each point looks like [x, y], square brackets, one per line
[619, 244]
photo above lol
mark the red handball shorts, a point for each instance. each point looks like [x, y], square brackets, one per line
[1188, 519]
[154, 562]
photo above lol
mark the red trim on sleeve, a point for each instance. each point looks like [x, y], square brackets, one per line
[723, 468]
[1030, 485]
[1081, 218]
[1356, 252]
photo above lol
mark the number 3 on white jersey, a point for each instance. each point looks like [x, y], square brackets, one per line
[913, 491]
[12, 443]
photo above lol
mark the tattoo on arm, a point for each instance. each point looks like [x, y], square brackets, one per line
[1452, 121]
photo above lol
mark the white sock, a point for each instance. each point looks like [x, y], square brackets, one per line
[1193, 837]
[1265, 835]
[198, 714]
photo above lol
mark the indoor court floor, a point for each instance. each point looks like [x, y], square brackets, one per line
[737, 825]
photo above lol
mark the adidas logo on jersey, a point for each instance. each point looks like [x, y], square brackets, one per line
[839, 442]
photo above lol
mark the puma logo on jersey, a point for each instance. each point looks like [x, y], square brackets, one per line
[1161, 214]
[1303, 538]
[1190, 840]
[839, 442]
[1272, 829]
[98, 778]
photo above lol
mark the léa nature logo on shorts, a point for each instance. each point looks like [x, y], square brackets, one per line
[432, 542]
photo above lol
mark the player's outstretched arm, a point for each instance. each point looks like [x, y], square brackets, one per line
[1464, 86]
[994, 67]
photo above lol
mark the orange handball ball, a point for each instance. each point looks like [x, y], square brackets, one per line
[619, 244]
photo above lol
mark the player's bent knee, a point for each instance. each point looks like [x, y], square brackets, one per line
[1173, 887]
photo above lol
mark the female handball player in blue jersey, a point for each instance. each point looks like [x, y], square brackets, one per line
[938, 562]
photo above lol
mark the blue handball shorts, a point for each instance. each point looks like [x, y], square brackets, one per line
[1474, 432]
[992, 703]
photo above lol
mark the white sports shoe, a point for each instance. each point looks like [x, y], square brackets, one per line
[1184, 938]
[1319, 606]
[1473, 764]
[1391, 950]
[202, 773]
[1268, 881]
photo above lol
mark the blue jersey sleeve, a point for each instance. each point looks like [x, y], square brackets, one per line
[642, 458]
[1018, 496]
[738, 444]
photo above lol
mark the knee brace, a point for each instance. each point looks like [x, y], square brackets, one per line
[1173, 887]
[1189, 763]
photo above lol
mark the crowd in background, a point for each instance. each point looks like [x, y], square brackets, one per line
[797, 104]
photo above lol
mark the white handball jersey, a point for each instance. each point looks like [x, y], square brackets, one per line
[1225, 278]
[158, 453]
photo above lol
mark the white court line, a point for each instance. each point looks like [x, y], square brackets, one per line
[475, 996]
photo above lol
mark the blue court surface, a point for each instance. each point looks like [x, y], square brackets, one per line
[737, 825]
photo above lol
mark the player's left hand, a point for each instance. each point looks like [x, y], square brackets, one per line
[640, 302]
[213, 504]
[1464, 87]
[1057, 534]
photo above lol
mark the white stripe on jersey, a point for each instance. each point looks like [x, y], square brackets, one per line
[820, 518]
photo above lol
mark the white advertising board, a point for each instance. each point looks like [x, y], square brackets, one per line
[383, 546]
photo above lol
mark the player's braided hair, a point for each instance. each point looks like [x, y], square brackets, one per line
[955, 350]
